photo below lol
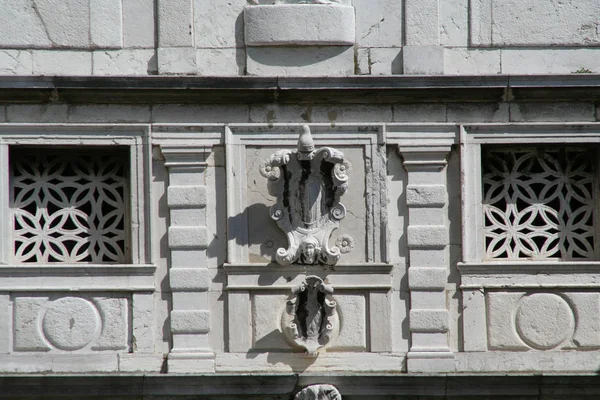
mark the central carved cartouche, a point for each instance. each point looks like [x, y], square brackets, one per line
[308, 184]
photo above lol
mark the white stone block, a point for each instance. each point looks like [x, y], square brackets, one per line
[108, 113]
[421, 278]
[27, 336]
[363, 62]
[141, 363]
[300, 61]
[422, 22]
[549, 61]
[15, 62]
[188, 321]
[454, 23]
[535, 23]
[478, 112]
[267, 310]
[219, 24]
[59, 62]
[462, 61]
[420, 112]
[176, 113]
[379, 23]
[175, 24]
[188, 237]
[37, 113]
[298, 25]
[177, 60]
[138, 23]
[353, 315]
[428, 320]
[429, 236]
[115, 325]
[144, 315]
[423, 60]
[21, 27]
[552, 112]
[385, 61]
[186, 196]
[426, 195]
[67, 22]
[124, 62]
[106, 23]
[221, 62]
[189, 279]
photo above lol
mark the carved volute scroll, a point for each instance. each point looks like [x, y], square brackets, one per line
[319, 392]
[310, 319]
[308, 184]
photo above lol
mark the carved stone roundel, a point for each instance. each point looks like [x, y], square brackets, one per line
[544, 321]
[71, 323]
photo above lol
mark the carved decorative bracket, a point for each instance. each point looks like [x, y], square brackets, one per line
[308, 184]
[310, 319]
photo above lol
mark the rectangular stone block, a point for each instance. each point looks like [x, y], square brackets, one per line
[138, 23]
[266, 316]
[189, 279]
[422, 22]
[550, 61]
[426, 195]
[423, 60]
[58, 62]
[552, 112]
[37, 113]
[15, 62]
[219, 24]
[428, 320]
[188, 237]
[177, 60]
[186, 196]
[190, 321]
[385, 61]
[454, 23]
[419, 112]
[462, 61]
[175, 23]
[106, 23]
[481, 112]
[427, 278]
[534, 23]
[221, 62]
[429, 236]
[379, 23]
[353, 332]
[124, 62]
[301, 61]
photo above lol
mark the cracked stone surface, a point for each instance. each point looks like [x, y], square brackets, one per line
[60, 23]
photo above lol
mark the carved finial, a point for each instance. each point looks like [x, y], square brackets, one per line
[305, 141]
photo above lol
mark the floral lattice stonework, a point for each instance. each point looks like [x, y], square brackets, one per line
[69, 206]
[539, 203]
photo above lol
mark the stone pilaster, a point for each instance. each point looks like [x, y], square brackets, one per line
[424, 157]
[189, 277]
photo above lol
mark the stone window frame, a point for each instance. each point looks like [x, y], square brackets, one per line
[473, 137]
[135, 138]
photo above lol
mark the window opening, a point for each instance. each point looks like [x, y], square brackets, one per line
[69, 204]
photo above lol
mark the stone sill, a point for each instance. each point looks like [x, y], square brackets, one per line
[299, 25]
[316, 90]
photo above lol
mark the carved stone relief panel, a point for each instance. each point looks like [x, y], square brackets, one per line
[543, 320]
[308, 184]
[70, 323]
[359, 233]
[310, 319]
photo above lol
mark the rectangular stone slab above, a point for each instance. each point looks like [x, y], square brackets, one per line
[299, 25]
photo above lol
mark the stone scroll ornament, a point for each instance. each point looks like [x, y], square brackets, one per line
[308, 184]
[310, 319]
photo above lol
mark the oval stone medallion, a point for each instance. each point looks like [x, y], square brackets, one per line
[70, 323]
[544, 321]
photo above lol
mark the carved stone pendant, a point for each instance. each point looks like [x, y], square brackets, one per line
[308, 184]
[310, 319]
[319, 392]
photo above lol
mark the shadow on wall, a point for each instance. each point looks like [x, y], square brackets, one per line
[293, 56]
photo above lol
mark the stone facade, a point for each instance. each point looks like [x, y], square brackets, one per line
[224, 198]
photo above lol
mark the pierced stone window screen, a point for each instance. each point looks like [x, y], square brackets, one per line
[539, 203]
[69, 205]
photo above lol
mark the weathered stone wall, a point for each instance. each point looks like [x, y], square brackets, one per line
[366, 37]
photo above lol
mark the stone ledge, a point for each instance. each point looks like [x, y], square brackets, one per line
[299, 25]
